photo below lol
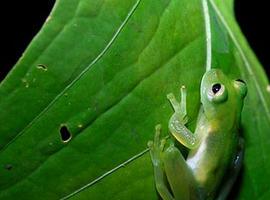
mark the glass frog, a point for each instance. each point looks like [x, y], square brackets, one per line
[216, 149]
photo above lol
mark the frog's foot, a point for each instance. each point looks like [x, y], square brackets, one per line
[156, 150]
[180, 109]
[156, 147]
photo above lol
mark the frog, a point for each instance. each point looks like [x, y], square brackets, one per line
[215, 149]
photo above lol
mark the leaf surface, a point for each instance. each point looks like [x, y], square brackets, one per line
[101, 70]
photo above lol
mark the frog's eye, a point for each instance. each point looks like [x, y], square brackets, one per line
[218, 93]
[216, 87]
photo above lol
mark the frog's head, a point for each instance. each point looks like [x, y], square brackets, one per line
[221, 95]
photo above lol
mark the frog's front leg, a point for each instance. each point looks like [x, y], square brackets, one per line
[179, 119]
[156, 150]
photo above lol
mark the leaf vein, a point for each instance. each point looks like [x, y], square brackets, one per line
[106, 174]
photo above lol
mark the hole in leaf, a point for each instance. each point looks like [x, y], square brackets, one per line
[65, 133]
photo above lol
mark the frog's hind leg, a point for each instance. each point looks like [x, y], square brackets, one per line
[179, 175]
[156, 149]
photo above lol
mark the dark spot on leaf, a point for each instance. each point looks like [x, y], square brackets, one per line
[8, 167]
[42, 67]
[65, 133]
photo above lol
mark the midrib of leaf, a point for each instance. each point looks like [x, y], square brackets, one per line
[208, 35]
[100, 55]
[245, 60]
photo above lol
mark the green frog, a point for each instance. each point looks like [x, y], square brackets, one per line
[215, 148]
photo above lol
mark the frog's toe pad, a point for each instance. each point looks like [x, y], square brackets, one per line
[150, 144]
[170, 96]
[158, 127]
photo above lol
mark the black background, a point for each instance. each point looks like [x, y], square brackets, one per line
[21, 20]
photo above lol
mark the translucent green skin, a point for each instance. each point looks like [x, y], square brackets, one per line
[213, 147]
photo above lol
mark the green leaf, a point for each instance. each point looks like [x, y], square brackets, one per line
[99, 72]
